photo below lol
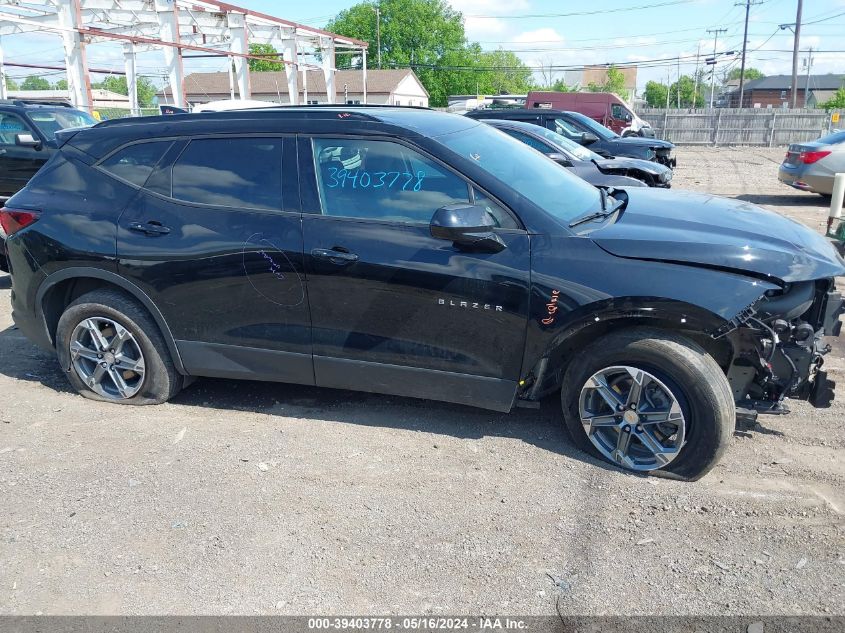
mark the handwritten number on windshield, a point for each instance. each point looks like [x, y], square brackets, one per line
[359, 179]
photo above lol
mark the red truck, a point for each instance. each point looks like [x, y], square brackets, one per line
[605, 107]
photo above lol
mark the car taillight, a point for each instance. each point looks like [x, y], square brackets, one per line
[812, 157]
[13, 220]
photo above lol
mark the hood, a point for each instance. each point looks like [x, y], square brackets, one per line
[638, 164]
[705, 230]
[653, 143]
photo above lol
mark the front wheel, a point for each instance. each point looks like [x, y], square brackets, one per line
[649, 401]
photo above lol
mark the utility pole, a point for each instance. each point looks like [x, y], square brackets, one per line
[378, 34]
[748, 4]
[668, 84]
[809, 61]
[713, 70]
[795, 46]
[695, 85]
[679, 82]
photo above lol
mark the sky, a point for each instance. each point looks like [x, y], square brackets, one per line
[552, 33]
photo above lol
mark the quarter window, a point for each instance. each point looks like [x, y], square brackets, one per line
[231, 172]
[135, 163]
[382, 180]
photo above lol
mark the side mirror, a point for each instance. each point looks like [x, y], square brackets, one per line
[588, 138]
[468, 226]
[560, 159]
[25, 139]
[628, 117]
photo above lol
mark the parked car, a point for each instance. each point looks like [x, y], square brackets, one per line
[603, 107]
[595, 169]
[422, 254]
[27, 131]
[584, 131]
[812, 166]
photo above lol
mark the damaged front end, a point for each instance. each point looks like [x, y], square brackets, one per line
[779, 347]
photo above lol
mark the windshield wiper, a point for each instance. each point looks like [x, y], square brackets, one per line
[605, 212]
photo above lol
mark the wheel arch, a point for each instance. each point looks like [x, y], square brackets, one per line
[595, 320]
[59, 289]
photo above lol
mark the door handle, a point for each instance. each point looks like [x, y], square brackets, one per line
[2, 151]
[341, 258]
[150, 228]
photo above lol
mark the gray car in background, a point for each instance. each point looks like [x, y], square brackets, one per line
[811, 166]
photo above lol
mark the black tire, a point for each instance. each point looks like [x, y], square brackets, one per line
[693, 375]
[161, 380]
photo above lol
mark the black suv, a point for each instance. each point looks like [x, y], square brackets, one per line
[27, 140]
[418, 253]
[585, 131]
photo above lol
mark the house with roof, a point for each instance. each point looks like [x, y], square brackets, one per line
[776, 91]
[389, 86]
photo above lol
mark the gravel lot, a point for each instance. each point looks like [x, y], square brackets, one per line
[244, 498]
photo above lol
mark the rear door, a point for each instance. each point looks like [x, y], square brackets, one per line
[395, 310]
[215, 238]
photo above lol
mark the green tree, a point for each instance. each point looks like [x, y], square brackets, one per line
[837, 101]
[428, 36]
[34, 82]
[655, 94]
[686, 86]
[614, 82]
[260, 65]
[11, 84]
[146, 89]
[61, 84]
[750, 74]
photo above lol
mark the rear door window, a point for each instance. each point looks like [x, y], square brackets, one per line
[230, 172]
[134, 163]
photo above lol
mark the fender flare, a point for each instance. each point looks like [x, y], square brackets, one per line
[85, 272]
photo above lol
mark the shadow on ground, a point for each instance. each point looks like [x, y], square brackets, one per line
[540, 427]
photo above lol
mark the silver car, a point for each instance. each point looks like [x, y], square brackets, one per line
[811, 166]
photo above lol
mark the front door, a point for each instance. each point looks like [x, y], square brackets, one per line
[212, 239]
[18, 163]
[393, 309]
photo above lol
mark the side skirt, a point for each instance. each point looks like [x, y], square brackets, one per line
[429, 384]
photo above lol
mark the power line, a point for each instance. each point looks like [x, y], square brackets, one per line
[579, 13]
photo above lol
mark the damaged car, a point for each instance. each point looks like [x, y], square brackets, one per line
[422, 254]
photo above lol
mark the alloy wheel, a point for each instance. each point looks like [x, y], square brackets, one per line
[107, 358]
[632, 418]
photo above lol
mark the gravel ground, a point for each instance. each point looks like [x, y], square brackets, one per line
[244, 498]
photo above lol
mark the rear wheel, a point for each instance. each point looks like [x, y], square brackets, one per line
[113, 351]
[649, 400]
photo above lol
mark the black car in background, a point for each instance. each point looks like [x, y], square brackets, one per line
[586, 164]
[27, 140]
[416, 253]
[585, 131]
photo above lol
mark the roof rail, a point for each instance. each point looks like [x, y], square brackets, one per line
[314, 112]
[40, 102]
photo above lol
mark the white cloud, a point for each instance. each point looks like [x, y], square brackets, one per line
[544, 36]
[478, 28]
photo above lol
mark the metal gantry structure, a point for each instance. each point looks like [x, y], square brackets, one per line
[205, 27]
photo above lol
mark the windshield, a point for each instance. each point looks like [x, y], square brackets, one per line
[596, 128]
[570, 146]
[542, 181]
[833, 139]
[51, 121]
